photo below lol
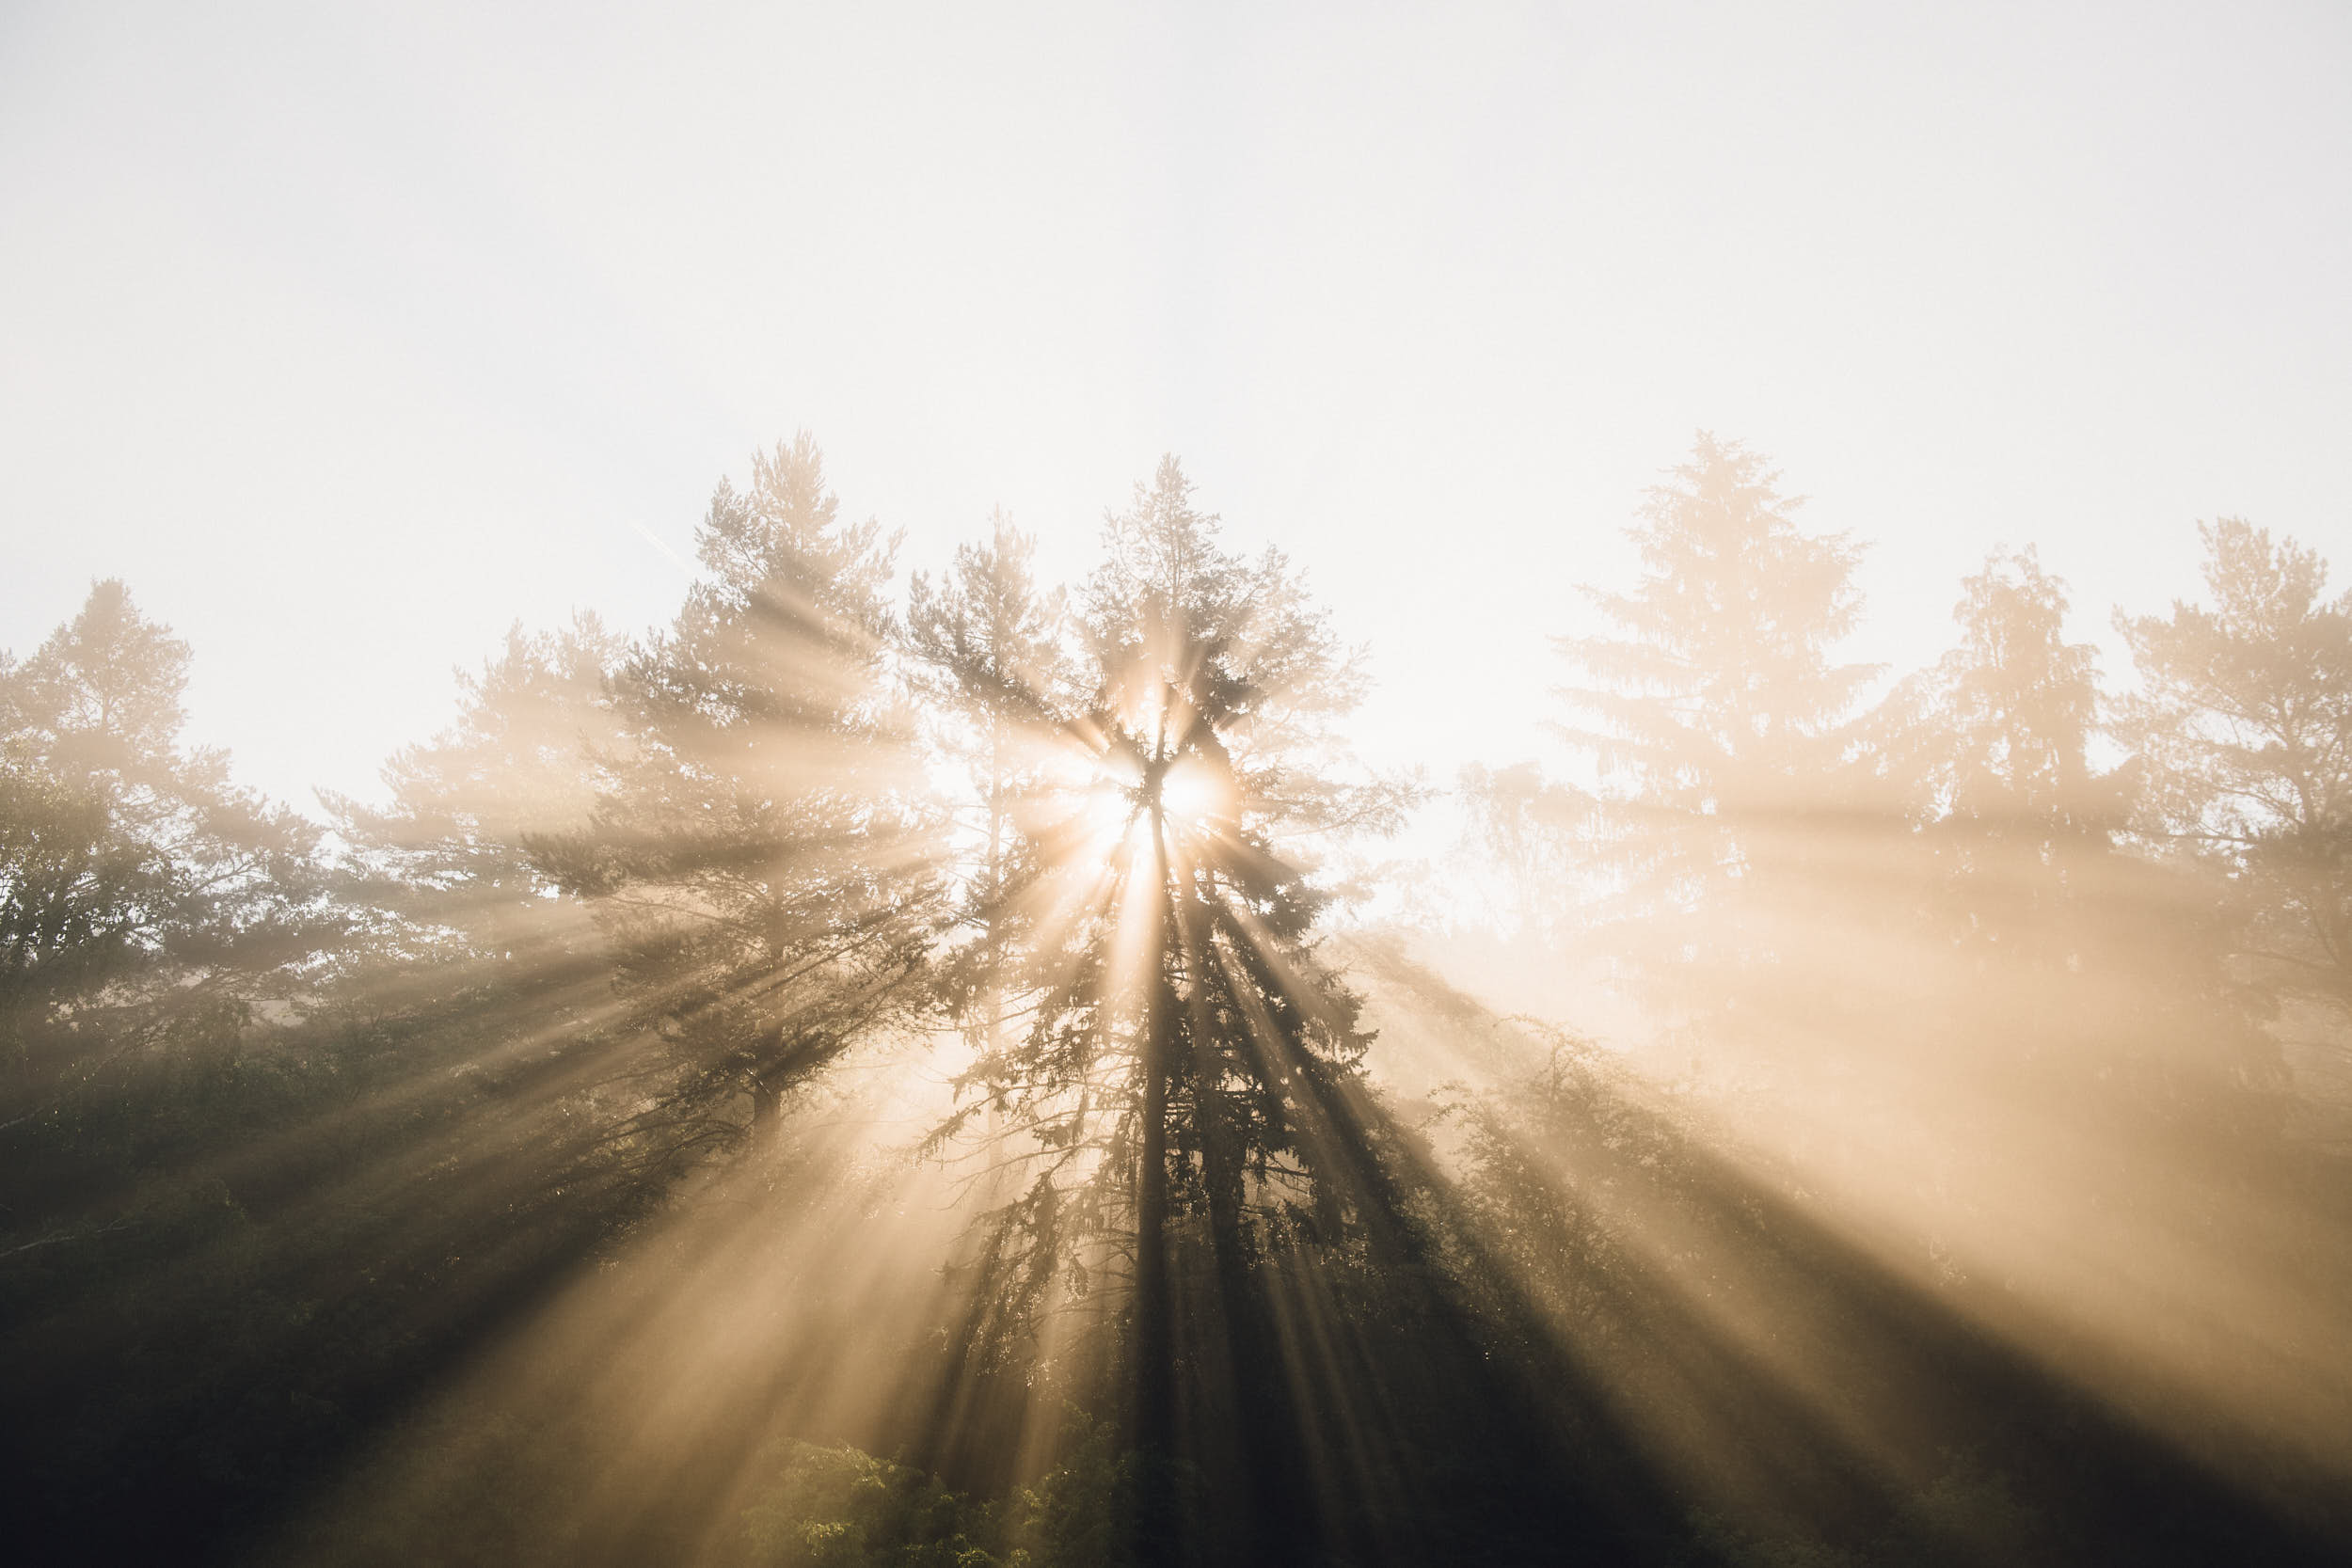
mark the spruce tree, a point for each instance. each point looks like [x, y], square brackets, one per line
[2243, 729]
[990, 661]
[147, 903]
[1181, 1094]
[1716, 713]
[763, 858]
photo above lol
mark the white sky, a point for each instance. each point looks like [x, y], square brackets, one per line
[349, 334]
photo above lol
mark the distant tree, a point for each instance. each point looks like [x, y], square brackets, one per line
[764, 859]
[1989, 752]
[147, 903]
[1717, 717]
[2056, 971]
[2015, 701]
[535, 734]
[472, 987]
[1531, 831]
[2243, 728]
[464, 944]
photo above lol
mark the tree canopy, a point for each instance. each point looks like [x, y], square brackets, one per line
[899, 1070]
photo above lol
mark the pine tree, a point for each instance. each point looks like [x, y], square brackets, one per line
[442, 863]
[987, 645]
[2243, 731]
[471, 967]
[1990, 751]
[1716, 715]
[1182, 1090]
[2061, 974]
[146, 902]
[763, 858]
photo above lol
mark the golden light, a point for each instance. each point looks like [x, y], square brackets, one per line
[1195, 794]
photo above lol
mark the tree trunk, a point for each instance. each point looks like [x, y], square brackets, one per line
[1274, 1526]
[1155, 1522]
[764, 1100]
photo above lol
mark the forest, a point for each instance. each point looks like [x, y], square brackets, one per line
[911, 1063]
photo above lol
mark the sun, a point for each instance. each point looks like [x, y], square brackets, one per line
[1195, 794]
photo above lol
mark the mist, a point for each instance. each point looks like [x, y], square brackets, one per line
[1279, 789]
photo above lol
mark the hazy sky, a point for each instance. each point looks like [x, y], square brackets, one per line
[349, 334]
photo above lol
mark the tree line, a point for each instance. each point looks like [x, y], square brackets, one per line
[301, 1115]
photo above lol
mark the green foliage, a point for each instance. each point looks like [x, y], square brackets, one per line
[840, 1508]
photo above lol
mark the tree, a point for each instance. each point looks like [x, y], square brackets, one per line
[1183, 1082]
[2243, 730]
[160, 930]
[2015, 701]
[1528, 833]
[445, 855]
[2050, 977]
[1988, 751]
[1716, 716]
[464, 944]
[146, 902]
[763, 858]
[987, 643]
[473, 992]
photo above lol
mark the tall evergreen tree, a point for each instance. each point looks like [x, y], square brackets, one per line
[763, 858]
[2243, 729]
[160, 930]
[2051, 973]
[144, 901]
[1989, 753]
[1181, 1092]
[537, 728]
[466, 944]
[1716, 713]
[987, 642]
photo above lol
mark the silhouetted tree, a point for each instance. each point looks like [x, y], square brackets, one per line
[160, 929]
[763, 858]
[444, 858]
[988, 644]
[148, 906]
[1179, 1091]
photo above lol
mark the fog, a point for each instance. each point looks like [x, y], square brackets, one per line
[1290, 788]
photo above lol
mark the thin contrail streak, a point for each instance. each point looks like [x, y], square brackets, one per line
[654, 540]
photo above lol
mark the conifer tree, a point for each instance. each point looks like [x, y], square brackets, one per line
[987, 645]
[2066, 969]
[1181, 1093]
[1716, 713]
[763, 857]
[1988, 750]
[144, 901]
[2243, 731]
[442, 865]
